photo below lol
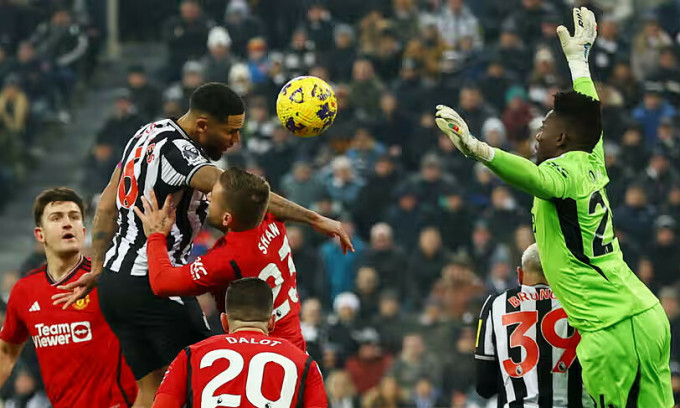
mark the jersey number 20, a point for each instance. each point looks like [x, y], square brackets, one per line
[526, 320]
[255, 377]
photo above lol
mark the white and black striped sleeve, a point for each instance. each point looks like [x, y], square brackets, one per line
[485, 348]
[180, 161]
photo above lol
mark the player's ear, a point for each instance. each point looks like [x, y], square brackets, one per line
[227, 220]
[225, 322]
[271, 323]
[520, 275]
[561, 139]
[38, 234]
[202, 125]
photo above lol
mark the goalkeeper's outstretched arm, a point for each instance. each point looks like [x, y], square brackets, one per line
[548, 181]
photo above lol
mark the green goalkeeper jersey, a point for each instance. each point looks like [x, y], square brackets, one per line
[572, 223]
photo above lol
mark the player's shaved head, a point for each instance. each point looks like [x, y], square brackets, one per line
[249, 300]
[245, 196]
[217, 100]
[581, 118]
[531, 260]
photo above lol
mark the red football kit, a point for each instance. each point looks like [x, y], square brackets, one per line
[245, 369]
[261, 252]
[80, 357]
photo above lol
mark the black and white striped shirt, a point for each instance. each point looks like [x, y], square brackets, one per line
[524, 332]
[162, 158]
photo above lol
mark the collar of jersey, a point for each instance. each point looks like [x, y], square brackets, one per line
[68, 275]
[173, 123]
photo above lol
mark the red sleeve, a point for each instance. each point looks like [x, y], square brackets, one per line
[193, 279]
[173, 390]
[14, 330]
[315, 393]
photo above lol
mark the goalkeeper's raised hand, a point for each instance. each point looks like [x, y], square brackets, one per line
[577, 47]
[450, 122]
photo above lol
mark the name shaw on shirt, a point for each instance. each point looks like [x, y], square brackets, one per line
[270, 233]
[541, 294]
[61, 334]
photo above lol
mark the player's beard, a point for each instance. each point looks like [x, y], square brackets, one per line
[214, 153]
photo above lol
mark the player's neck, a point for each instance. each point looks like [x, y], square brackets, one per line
[187, 123]
[250, 329]
[58, 266]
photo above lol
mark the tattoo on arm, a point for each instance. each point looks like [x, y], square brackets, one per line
[105, 223]
[287, 210]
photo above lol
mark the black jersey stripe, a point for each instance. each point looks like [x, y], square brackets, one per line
[303, 381]
[544, 367]
[515, 353]
[190, 391]
[119, 372]
[184, 224]
[567, 213]
[574, 383]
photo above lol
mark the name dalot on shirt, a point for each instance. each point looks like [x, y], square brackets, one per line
[61, 334]
[251, 340]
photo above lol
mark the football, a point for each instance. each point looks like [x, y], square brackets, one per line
[306, 106]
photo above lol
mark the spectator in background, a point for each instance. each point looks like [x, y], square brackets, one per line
[371, 27]
[473, 106]
[623, 80]
[608, 48]
[365, 89]
[669, 300]
[312, 326]
[387, 57]
[146, 97]
[528, 18]
[431, 181]
[634, 152]
[367, 289]
[278, 160]
[368, 366]
[544, 77]
[364, 152]
[6, 62]
[635, 217]
[456, 21]
[218, 61]
[388, 259]
[667, 141]
[341, 390]
[111, 140]
[26, 393]
[300, 56]
[387, 394]
[671, 205]
[343, 324]
[414, 362]
[495, 83]
[453, 218]
[645, 271]
[405, 16]
[426, 263]
[342, 183]
[668, 76]
[36, 81]
[647, 46]
[258, 60]
[339, 58]
[512, 51]
[62, 43]
[484, 247]
[665, 251]
[392, 126]
[192, 77]
[340, 269]
[658, 177]
[375, 197]
[409, 89]
[242, 26]
[301, 186]
[186, 37]
[503, 216]
[652, 110]
[259, 126]
[391, 321]
[319, 25]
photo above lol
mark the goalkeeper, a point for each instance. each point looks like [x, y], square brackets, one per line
[625, 344]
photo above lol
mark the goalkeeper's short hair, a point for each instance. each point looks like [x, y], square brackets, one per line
[583, 117]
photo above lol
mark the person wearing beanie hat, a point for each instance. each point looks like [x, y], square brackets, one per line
[218, 61]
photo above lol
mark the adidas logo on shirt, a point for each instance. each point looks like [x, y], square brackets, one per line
[34, 307]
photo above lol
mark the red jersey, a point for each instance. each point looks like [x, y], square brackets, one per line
[261, 252]
[80, 358]
[243, 369]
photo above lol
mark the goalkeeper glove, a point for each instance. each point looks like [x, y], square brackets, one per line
[577, 47]
[450, 122]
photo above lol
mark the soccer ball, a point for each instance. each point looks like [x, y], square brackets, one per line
[306, 106]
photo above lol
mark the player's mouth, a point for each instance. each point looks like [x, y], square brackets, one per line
[68, 236]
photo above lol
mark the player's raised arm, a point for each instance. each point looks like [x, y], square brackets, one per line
[103, 229]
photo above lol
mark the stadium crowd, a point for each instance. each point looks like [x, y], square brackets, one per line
[392, 324]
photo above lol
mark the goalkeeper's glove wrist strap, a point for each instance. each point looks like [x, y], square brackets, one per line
[579, 69]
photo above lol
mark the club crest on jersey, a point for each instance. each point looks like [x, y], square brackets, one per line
[191, 155]
[82, 303]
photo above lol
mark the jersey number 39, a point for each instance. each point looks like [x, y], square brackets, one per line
[525, 321]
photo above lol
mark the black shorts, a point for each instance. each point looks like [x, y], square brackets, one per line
[152, 330]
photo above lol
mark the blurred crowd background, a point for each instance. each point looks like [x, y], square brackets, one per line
[392, 324]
